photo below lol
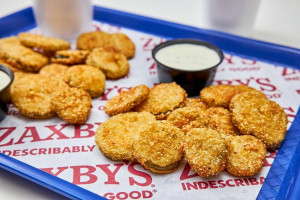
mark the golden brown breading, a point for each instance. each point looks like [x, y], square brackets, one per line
[32, 95]
[163, 99]
[70, 57]
[47, 44]
[116, 135]
[159, 147]
[126, 100]
[10, 40]
[87, 78]
[22, 58]
[113, 63]
[254, 114]
[54, 70]
[195, 102]
[72, 104]
[13, 69]
[187, 117]
[205, 150]
[246, 155]
[220, 95]
[219, 119]
[98, 39]
[91, 40]
[124, 44]
[5, 96]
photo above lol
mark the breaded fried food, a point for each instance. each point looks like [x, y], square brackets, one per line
[205, 151]
[163, 99]
[220, 95]
[46, 44]
[195, 102]
[22, 58]
[113, 63]
[98, 39]
[13, 69]
[219, 119]
[70, 57]
[246, 155]
[87, 78]
[32, 95]
[188, 117]
[254, 114]
[126, 100]
[116, 135]
[54, 70]
[10, 40]
[123, 43]
[91, 40]
[159, 147]
[5, 96]
[73, 105]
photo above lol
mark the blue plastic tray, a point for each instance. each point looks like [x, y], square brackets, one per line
[282, 181]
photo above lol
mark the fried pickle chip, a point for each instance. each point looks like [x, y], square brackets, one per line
[219, 119]
[98, 39]
[116, 135]
[54, 70]
[195, 102]
[87, 78]
[72, 105]
[10, 40]
[220, 95]
[254, 114]
[159, 147]
[126, 100]
[205, 150]
[188, 117]
[124, 44]
[32, 95]
[70, 57]
[91, 40]
[246, 155]
[113, 63]
[163, 99]
[5, 96]
[13, 69]
[47, 44]
[22, 58]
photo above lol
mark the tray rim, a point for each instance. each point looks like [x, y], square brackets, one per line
[268, 52]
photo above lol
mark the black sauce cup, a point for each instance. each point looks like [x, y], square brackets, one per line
[191, 80]
[3, 106]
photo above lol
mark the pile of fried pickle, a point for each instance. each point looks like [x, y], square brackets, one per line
[228, 128]
[52, 79]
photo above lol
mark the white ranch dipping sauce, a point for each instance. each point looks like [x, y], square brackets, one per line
[4, 80]
[187, 56]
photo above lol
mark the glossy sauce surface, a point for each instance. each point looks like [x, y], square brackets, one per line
[4, 80]
[187, 56]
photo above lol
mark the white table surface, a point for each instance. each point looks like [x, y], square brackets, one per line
[276, 21]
